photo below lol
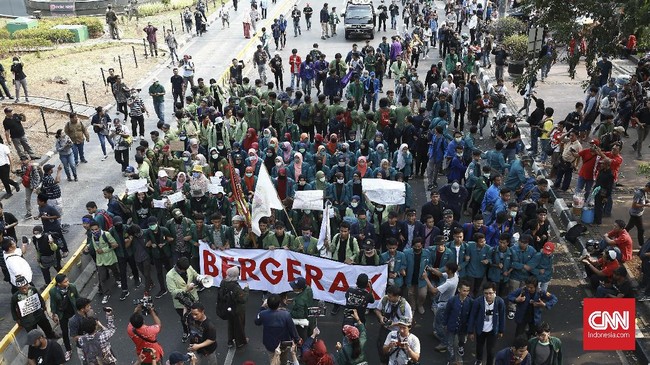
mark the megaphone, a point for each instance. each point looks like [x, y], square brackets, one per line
[205, 280]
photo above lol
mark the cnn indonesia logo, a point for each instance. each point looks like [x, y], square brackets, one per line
[611, 320]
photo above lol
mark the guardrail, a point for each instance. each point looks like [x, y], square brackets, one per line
[11, 337]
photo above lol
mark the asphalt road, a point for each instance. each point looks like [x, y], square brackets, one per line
[565, 318]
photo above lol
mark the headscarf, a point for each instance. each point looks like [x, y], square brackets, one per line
[274, 140]
[318, 185]
[364, 148]
[232, 274]
[401, 162]
[194, 146]
[317, 355]
[181, 178]
[362, 167]
[282, 183]
[286, 155]
[332, 144]
[253, 161]
[250, 181]
[318, 140]
[304, 138]
[297, 165]
[351, 332]
[381, 164]
[248, 141]
[269, 161]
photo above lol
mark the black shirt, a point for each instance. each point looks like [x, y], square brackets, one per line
[177, 83]
[507, 134]
[14, 125]
[7, 219]
[201, 331]
[357, 298]
[416, 268]
[50, 355]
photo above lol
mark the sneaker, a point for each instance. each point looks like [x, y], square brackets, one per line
[104, 158]
[644, 298]
[84, 161]
[441, 348]
[8, 195]
[138, 283]
[64, 254]
[76, 179]
[461, 351]
[511, 315]
[27, 100]
[106, 298]
[68, 355]
[478, 362]
[125, 294]
[69, 179]
[28, 215]
[161, 293]
[185, 337]
[119, 285]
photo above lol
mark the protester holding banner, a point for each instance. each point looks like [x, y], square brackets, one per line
[303, 299]
[28, 308]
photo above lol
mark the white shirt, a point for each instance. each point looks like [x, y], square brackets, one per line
[447, 289]
[399, 357]
[17, 265]
[450, 86]
[487, 323]
[4, 154]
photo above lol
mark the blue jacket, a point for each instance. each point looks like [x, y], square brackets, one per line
[400, 264]
[451, 148]
[475, 268]
[477, 317]
[343, 199]
[494, 231]
[469, 231]
[278, 326]
[307, 172]
[460, 260]
[437, 148]
[491, 196]
[543, 262]
[456, 170]
[496, 160]
[521, 258]
[495, 274]
[408, 160]
[504, 357]
[516, 175]
[447, 256]
[546, 297]
[425, 259]
[457, 314]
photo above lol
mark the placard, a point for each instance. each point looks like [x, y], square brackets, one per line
[137, 186]
[176, 197]
[177, 145]
[385, 192]
[308, 200]
[29, 305]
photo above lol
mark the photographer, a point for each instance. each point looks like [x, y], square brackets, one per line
[180, 282]
[178, 358]
[144, 336]
[203, 335]
[401, 346]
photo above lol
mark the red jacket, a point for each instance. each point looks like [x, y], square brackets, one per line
[295, 61]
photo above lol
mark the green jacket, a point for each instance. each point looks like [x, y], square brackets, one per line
[355, 91]
[351, 250]
[197, 236]
[252, 115]
[176, 284]
[108, 256]
[225, 233]
[309, 120]
[556, 349]
[298, 246]
[281, 115]
[56, 300]
[157, 238]
[272, 240]
[121, 250]
[401, 112]
[344, 356]
[186, 225]
[301, 304]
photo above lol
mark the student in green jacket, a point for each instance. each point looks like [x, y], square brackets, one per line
[300, 309]
[63, 305]
[199, 232]
[306, 243]
[180, 279]
[280, 239]
[545, 347]
[106, 259]
[352, 350]
[158, 241]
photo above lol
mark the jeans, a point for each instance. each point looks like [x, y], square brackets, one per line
[487, 340]
[18, 84]
[603, 245]
[545, 143]
[6, 180]
[534, 139]
[452, 346]
[68, 165]
[173, 55]
[498, 72]
[295, 81]
[324, 30]
[483, 120]
[144, 268]
[102, 142]
[308, 21]
[5, 89]
[122, 262]
[122, 157]
[544, 285]
[279, 82]
[261, 70]
[306, 87]
[510, 154]
[485, 57]
[641, 133]
[584, 184]
[28, 200]
[393, 22]
[433, 169]
[159, 109]
[564, 173]
[22, 145]
[163, 265]
[104, 278]
[153, 48]
[296, 28]
[439, 323]
[78, 152]
[178, 98]
[372, 100]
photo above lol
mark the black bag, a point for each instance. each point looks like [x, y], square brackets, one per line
[225, 302]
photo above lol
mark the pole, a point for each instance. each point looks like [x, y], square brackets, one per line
[83, 85]
[44, 123]
[119, 59]
[69, 102]
[146, 55]
[182, 23]
[171, 25]
[103, 76]
[164, 30]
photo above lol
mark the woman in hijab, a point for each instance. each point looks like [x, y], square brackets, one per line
[163, 185]
[403, 161]
[287, 152]
[303, 148]
[253, 160]
[386, 169]
[217, 162]
[379, 138]
[304, 139]
[285, 186]
[318, 141]
[187, 165]
[236, 321]
[320, 183]
[355, 207]
[320, 166]
[302, 183]
[342, 167]
[249, 181]
[362, 167]
[238, 164]
[364, 149]
[298, 167]
[264, 139]
[273, 143]
[314, 352]
[269, 159]
[355, 185]
[333, 145]
[380, 154]
[351, 351]
[251, 137]
[279, 164]
[323, 154]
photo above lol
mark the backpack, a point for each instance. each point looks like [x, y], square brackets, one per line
[384, 117]
[27, 175]
[225, 302]
[304, 113]
[92, 350]
[108, 219]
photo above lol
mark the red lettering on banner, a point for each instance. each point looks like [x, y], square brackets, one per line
[247, 268]
[209, 264]
[313, 275]
[292, 269]
[225, 265]
[277, 273]
[372, 290]
[340, 283]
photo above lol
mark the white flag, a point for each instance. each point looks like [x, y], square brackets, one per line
[265, 199]
[325, 233]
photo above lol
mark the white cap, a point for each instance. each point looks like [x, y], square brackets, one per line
[455, 187]
[612, 254]
[162, 173]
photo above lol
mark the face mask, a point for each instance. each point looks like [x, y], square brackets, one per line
[458, 140]
[278, 164]
[196, 175]
[253, 158]
[487, 175]
[215, 156]
[459, 154]
[341, 164]
[380, 209]
[283, 148]
[153, 227]
[282, 177]
[354, 205]
[322, 179]
[302, 183]
[272, 145]
[306, 237]
[38, 236]
[97, 234]
[513, 214]
[302, 150]
[249, 174]
[267, 135]
[186, 159]
[219, 148]
[307, 211]
[339, 181]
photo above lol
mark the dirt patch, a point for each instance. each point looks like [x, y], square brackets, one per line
[54, 73]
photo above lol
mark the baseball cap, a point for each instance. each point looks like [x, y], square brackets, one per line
[178, 357]
[298, 283]
[177, 212]
[455, 187]
[549, 248]
[47, 168]
[595, 141]
[368, 244]
[34, 335]
[611, 254]
[448, 211]
[403, 322]
[197, 168]
[21, 281]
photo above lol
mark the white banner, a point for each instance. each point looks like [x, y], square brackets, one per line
[29, 305]
[265, 198]
[383, 191]
[274, 270]
[137, 186]
[325, 232]
[308, 200]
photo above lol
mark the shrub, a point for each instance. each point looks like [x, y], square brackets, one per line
[4, 34]
[94, 25]
[506, 26]
[517, 46]
[150, 9]
[53, 35]
[9, 47]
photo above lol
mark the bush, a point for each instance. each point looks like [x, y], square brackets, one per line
[517, 46]
[4, 34]
[9, 47]
[150, 9]
[53, 35]
[94, 25]
[506, 26]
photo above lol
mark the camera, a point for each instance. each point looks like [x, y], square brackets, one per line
[146, 303]
[388, 322]
[489, 312]
[286, 344]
